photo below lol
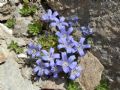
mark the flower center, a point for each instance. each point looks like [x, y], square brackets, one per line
[65, 64]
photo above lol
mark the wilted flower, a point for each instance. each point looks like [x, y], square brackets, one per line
[60, 23]
[49, 15]
[80, 46]
[50, 56]
[41, 68]
[75, 72]
[86, 30]
[66, 63]
[67, 44]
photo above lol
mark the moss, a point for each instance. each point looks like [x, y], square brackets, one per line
[73, 85]
[103, 85]
[14, 46]
[28, 10]
[10, 23]
[48, 41]
[35, 28]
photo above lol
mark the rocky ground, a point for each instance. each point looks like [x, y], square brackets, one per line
[103, 17]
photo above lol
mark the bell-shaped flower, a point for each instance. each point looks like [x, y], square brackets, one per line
[64, 33]
[49, 15]
[59, 23]
[67, 63]
[50, 56]
[86, 30]
[41, 68]
[75, 72]
[67, 44]
[80, 46]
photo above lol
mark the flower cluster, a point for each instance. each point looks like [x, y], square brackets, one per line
[51, 63]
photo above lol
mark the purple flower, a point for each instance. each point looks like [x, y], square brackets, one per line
[67, 44]
[49, 15]
[56, 70]
[75, 19]
[60, 23]
[50, 56]
[86, 30]
[66, 63]
[80, 46]
[64, 33]
[34, 50]
[75, 72]
[41, 68]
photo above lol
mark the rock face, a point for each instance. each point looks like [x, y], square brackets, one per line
[6, 12]
[104, 17]
[10, 74]
[92, 71]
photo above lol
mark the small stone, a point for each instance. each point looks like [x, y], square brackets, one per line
[6, 29]
[22, 55]
[2, 58]
[3, 2]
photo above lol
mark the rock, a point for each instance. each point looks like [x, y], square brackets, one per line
[2, 58]
[92, 71]
[11, 78]
[6, 33]
[51, 84]
[26, 72]
[6, 12]
[6, 29]
[21, 26]
[2, 3]
[22, 55]
[71, 8]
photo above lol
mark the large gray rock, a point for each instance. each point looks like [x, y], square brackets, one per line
[91, 73]
[10, 74]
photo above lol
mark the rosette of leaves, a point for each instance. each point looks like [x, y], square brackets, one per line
[28, 10]
[10, 23]
[73, 85]
[15, 47]
[48, 41]
[34, 28]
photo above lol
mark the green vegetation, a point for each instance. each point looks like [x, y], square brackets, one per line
[14, 46]
[34, 28]
[10, 23]
[90, 41]
[28, 10]
[103, 85]
[73, 85]
[48, 41]
[26, 1]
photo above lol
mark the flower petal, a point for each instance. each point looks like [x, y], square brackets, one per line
[73, 65]
[40, 73]
[38, 62]
[55, 14]
[70, 30]
[71, 58]
[52, 63]
[64, 56]
[62, 19]
[51, 51]
[82, 39]
[36, 69]
[59, 62]
[72, 77]
[46, 71]
[66, 69]
[56, 55]
[53, 24]
[44, 52]
[81, 52]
